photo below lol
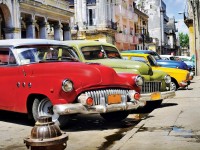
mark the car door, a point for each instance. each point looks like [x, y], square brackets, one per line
[9, 81]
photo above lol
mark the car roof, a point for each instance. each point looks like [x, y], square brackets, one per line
[20, 42]
[88, 42]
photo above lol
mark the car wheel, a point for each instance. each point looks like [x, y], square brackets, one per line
[44, 107]
[173, 86]
[115, 116]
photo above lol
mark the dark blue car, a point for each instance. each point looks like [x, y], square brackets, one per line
[160, 61]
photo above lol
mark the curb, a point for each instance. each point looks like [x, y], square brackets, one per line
[131, 133]
[128, 135]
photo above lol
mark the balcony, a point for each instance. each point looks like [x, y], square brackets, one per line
[124, 38]
[61, 4]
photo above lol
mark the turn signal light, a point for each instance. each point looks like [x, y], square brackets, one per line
[136, 96]
[89, 101]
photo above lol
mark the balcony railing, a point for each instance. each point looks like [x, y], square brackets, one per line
[120, 37]
[54, 3]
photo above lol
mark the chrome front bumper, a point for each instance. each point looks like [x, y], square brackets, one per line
[65, 109]
[156, 96]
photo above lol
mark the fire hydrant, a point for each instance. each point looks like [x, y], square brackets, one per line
[46, 135]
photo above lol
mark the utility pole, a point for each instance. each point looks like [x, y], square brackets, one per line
[195, 6]
[161, 26]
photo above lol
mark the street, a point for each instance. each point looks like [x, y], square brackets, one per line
[174, 125]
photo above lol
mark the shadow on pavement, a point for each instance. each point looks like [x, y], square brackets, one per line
[84, 122]
[14, 117]
[96, 122]
[76, 122]
[167, 105]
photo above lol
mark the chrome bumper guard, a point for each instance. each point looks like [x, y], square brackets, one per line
[64, 109]
[100, 103]
[156, 96]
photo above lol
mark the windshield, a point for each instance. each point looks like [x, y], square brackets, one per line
[152, 60]
[136, 58]
[45, 53]
[99, 52]
[155, 55]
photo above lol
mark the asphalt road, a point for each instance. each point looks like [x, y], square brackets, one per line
[176, 120]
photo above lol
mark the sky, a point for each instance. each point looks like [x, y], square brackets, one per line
[173, 7]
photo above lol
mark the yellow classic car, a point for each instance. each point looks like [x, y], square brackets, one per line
[179, 77]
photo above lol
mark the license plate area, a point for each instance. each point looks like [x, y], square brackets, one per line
[114, 99]
[155, 96]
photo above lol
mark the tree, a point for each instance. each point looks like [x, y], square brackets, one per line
[184, 40]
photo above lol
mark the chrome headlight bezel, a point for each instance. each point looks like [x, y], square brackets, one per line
[67, 85]
[139, 81]
[167, 79]
[191, 74]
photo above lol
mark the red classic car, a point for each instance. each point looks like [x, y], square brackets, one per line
[34, 80]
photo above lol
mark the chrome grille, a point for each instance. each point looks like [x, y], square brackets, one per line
[151, 86]
[100, 96]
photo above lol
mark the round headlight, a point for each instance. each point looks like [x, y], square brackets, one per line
[139, 81]
[191, 74]
[167, 79]
[67, 85]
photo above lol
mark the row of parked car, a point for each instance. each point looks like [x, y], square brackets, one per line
[186, 59]
[61, 78]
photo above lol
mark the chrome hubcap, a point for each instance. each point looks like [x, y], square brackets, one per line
[45, 108]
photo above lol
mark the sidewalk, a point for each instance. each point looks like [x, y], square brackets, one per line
[175, 125]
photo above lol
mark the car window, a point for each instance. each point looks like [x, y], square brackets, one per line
[7, 57]
[155, 55]
[142, 59]
[99, 52]
[44, 53]
[152, 60]
[4, 57]
[111, 52]
[92, 52]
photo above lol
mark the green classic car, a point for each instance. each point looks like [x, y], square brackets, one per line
[157, 83]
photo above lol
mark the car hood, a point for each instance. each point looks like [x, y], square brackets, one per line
[121, 65]
[82, 75]
[172, 64]
[189, 63]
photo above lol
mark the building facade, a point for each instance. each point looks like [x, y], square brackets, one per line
[192, 20]
[46, 19]
[141, 30]
[161, 28]
[112, 21]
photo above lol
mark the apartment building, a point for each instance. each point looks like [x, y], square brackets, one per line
[161, 28]
[111, 21]
[47, 19]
